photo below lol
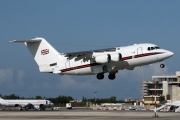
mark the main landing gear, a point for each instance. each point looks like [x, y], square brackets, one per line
[111, 76]
[100, 76]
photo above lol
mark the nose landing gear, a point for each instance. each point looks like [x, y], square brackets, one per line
[162, 65]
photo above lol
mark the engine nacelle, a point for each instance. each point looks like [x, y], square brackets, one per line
[37, 107]
[116, 57]
[105, 58]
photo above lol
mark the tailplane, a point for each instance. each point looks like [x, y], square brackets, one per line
[44, 54]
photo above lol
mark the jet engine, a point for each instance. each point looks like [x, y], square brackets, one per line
[37, 107]
[105, 58]
[116, 57]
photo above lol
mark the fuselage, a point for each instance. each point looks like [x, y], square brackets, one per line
[23, 103]
[173, 102]
[132, 56]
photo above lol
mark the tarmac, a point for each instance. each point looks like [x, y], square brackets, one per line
[87, 114]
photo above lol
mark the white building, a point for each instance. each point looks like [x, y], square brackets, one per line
[166, 87]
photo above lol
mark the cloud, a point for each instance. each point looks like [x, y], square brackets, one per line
[127, 77]
[156, 70]
[38, 85]
[133, 78]
[144, 72]
[68, 82]
[20, 77]
[84, 85]
[10, 78]
[6, 75]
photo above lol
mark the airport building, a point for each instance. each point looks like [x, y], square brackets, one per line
[161, 88]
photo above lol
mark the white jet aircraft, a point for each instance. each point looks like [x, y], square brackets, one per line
[170, 105]
[27, 104]
[94, 62]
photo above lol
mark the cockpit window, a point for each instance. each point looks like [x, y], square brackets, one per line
[149, 48]
[157, 47]
[153, 48]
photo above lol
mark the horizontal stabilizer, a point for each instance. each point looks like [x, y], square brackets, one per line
[32, 41]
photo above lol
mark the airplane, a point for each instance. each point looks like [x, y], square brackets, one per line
[170, 105]
[27, 104]
[94, 62]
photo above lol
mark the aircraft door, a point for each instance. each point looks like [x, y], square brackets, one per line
[67, 64]
[139, 51]
[70, 64]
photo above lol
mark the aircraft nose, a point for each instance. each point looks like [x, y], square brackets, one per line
[169, 53]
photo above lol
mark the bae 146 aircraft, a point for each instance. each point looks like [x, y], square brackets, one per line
[27, 104]
[94, 62]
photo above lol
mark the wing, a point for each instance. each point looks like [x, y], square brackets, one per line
[88, 53]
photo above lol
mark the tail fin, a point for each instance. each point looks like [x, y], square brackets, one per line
[44, 54]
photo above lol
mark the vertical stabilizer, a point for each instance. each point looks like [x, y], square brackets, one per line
[44, 54]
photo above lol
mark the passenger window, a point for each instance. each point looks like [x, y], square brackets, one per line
[149, 48]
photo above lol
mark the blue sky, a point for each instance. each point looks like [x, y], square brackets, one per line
[71, 25]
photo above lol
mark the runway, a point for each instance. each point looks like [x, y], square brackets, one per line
[81, 114]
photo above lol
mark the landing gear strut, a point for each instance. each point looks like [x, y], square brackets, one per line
[162, 65]
[111, 76]
[100, 76]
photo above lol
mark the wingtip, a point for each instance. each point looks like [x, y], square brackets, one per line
[12, 41]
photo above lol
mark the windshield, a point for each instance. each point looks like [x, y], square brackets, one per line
[153, 48]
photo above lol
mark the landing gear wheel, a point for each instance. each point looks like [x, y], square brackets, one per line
[111, 76]
[162, 65]
[100, 76]
[26, 108]
[42, 107]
